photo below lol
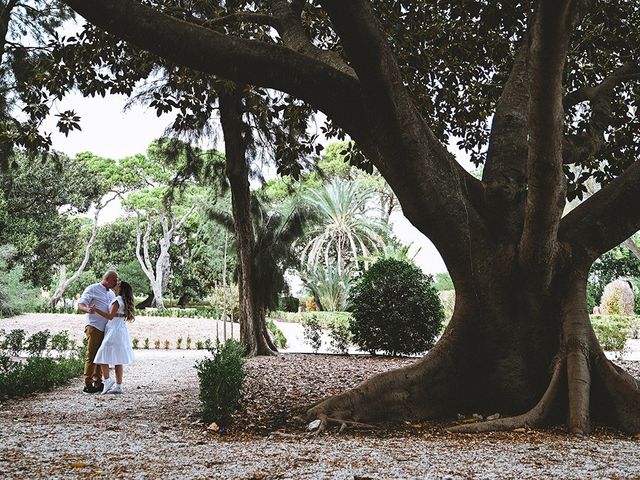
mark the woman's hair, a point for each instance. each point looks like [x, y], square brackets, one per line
[126, 292]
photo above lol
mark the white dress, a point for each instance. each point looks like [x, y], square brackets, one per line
[116, 346]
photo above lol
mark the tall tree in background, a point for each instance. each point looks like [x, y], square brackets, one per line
[401, 79]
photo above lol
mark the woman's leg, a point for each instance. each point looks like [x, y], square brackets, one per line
[119, 371]
[105, 370]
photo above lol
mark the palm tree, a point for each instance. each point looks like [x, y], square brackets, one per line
[343, 231]
[329, 287]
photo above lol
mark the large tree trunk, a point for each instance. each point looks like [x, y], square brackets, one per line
[253, 331]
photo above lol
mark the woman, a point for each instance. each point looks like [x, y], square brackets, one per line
[116, 346]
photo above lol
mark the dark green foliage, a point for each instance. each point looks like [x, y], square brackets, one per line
[16, 295]
[617, 262]
[14, 341]
[395, 309]
[613, 330]
[60, 342]
[37, 343]
[443, 282]
[340, 335]
[287, 303]
[221, 378]
[313, 332]
[38, 372]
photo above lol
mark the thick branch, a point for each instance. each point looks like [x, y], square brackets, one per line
[581, 146]
[139, 240]
[631, 245]
[605, 219]
[248, 61]
[424, 176]
[507, 154]
[244, 17]
[545, 177]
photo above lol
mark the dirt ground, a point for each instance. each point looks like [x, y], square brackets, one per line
[152, 431]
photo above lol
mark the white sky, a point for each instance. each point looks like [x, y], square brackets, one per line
[111, 132]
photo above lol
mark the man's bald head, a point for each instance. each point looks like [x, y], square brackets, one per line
[110, 279]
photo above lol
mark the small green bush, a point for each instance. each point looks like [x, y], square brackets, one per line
[340, 335]
[313, 332]
[146, 344]
[395, 309]
[135, 342]
[37, 343]
[208, 344]
[199, 345]
[179, 343]
[60, 342]
[279, 339]
[156, 344]
[188, 343]
[221, 378]
[288, 304]
[37, 373]
[14, 341]
[612, 331]
[167, 344]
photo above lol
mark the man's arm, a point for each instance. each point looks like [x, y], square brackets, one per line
[84, 304]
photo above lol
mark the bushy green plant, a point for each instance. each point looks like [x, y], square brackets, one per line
[395, 309]
[221, 377]
[60, 342]
[179, 343]
[208, 344]
[37, 373]
[612, 331]
[146, 344]
[279, 339]
[288, 303]
[340, 337]
[313, 332]
[156, 344]
[14, 341]
[37, 343]
[135, 342]
[167, 344]
[199, 345]
[188, 343]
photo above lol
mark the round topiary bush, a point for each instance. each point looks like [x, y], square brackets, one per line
[617, 298]
[395, 309]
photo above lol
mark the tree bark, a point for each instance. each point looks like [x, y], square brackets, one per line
[253, 331]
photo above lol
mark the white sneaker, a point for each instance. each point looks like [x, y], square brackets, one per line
[108, 383]
[117, 388]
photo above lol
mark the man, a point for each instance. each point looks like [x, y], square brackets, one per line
[98, 295]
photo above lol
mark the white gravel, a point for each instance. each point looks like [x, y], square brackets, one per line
[151, 431]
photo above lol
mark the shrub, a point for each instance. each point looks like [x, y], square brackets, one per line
[221, 378]
[188, 343]
[146, 343]
[313, 332]
[199, 345]
[288, 304]
[617, 298]
[612, 331]
[60, 342]
[37, 343]
[179, 343]
[340, 336]
[14, 341]
[208, 344]
[395, 309]
[279, 339]
[156, 344]
[37, 373]
[167, 344]
[135, 342]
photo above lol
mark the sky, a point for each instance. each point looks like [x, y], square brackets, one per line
[110, 131]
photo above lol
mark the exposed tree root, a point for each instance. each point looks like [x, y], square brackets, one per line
[533, 418]
[325, 422]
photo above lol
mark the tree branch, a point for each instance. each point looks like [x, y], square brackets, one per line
[545, 176]
[605, 219]
[507, 154]
[139, 239]
[585, 144]
[249, 61]
[244, 17]
[425, 177]
[631, 245]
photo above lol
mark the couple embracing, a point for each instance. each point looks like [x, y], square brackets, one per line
[108, 305]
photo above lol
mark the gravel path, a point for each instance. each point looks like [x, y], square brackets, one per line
[151, 431]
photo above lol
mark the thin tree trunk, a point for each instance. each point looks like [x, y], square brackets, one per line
[252, 319]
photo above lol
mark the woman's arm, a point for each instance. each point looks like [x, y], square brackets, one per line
[112, 314]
